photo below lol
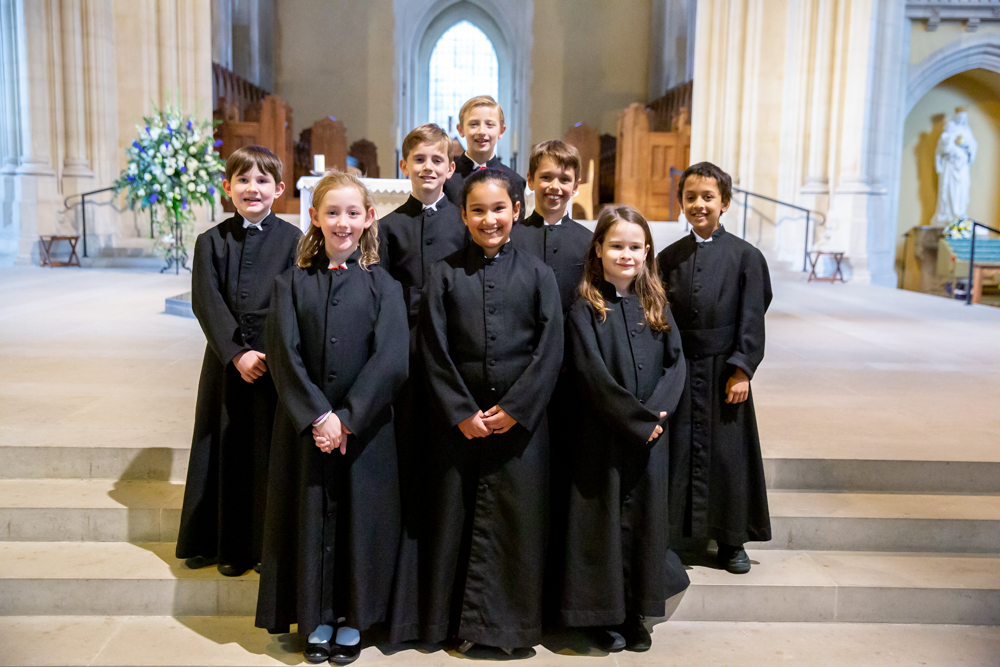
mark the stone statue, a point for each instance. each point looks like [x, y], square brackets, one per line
[956, 151]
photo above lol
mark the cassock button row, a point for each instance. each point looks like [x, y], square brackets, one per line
[244, 294]
[329, 549]
[248, 264]
[335, 302]
[493, 336]
[633, 332]
[333, 340]
[555, 250]
[333, 376]
[640, 367]
[625, 300]
[429, 242]
[642, 401]
[490, 284]
[492, 310]
[493, 362]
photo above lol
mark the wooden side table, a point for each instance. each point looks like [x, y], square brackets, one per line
[980, 271]
[45, 250]
[814, 256]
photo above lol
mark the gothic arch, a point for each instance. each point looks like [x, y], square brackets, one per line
[982, 52]
[418, 26]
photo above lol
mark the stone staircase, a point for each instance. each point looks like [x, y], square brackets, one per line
[90, 531]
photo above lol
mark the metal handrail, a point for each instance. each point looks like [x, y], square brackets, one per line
[83, 205]
[972, 257]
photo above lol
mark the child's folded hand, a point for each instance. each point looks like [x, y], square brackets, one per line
[498, 421]
[657, 432]
[738, 387]
[250, 364]
[329, 434]
[473, 427]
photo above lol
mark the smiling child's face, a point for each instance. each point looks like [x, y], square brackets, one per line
[342, 217]
[702, 204]
[554, 187]
[623, 253]
[428, 167]
[481, 130]
[253, 192]
[489, 214]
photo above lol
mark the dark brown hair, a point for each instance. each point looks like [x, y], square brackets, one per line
[708, 170]
[563, 154]
[244, 159]
[427, 134]
[485, 175]
[646, 285]
[313, 244]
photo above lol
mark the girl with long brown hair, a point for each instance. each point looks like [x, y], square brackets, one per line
[625, 357]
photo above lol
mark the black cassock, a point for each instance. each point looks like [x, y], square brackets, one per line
[333, 521]
[412, 239]
[563, 247]
[616, 559]
[719, 291]
[224, 496]
[491, 332]
[464, 166]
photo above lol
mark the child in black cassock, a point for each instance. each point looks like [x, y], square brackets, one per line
[719, 289]
[234, 267]
[491, 342]
[338, 352]
[627, 369]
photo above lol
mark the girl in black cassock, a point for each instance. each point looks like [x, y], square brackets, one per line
[338, 350]
[491, 341]
[625, 359]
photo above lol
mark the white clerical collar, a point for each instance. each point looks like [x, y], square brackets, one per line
[476, 165]
[342, 267]
[247, 224]
[434, 206]
[698, 239]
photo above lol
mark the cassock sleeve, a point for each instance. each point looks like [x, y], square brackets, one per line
[528, 398]
[386, 369]
[384, 260]
[614, 404]
[454, 399]
[214, 316]
[304, 401]
[667, 393]
[755, 296]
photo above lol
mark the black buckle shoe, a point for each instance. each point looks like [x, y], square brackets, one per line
[608, 640]
[317, 653]
[344, 655]
[198, 562]
[733, 559]
[637, 637]
[232, 570]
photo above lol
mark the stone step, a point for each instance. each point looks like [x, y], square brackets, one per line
[883, 522]
[100, 510]
[193, 641]
[131, 455]
[115, 579]
[95, 510]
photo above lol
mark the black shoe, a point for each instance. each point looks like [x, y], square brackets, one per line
[256, 568]
[230, 570]
[733, 559]
[317, 653]
[198, 562]
[344, 655]
[636, 636]
[608, 640]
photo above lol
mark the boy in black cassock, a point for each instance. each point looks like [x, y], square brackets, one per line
[338, 355]
[719, 289]
[481, 124]
[549, 233]
[425, 229]
[625, 360]
[491, 340]
[235, 264]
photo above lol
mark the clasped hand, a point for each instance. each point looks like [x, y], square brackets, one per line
[250, 364]
[331, 434]
[482, 424]
[657, 430]
[738, 387]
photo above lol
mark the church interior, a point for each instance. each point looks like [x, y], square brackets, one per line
[863, 141]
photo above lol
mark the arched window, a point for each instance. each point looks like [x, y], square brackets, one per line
[463, 64]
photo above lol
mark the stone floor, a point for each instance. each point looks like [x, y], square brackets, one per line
[878, 419]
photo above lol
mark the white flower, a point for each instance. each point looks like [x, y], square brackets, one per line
[185, 178]
[133, 168]
[193, 149]
[167, 239]
[202, 174]
[154, 133]
[141, 192]
[202, 188]
[147, 177]
[156, 188]
[191, 187]
[169, 171]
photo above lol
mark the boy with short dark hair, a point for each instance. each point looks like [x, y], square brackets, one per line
[235, 264]
[549, 233]
[481, 124]
[719, 289]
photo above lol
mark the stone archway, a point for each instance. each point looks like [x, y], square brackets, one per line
[418, 24]
[981, 52]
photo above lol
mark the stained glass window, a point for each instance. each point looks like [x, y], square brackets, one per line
[463, 65]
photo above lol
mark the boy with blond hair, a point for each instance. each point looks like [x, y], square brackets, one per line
[481, 124]
[235, 264]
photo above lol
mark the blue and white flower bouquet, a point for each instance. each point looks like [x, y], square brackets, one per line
[172, 166]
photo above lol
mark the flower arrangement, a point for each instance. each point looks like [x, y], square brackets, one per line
[960, 228]
[172, 166]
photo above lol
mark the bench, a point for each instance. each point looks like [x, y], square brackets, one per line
[45, 244]
[987, 260]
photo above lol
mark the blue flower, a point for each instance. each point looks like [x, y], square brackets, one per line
[137, 145]
[147, 129]
[183, 169]
[153, 197]
[131, 178]
[189, 125]
[184, 203]
[211, 190]
[218, 142]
